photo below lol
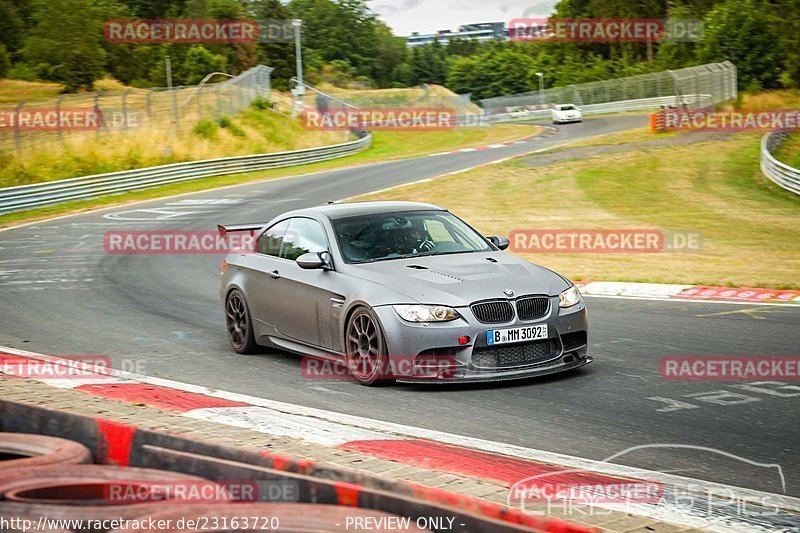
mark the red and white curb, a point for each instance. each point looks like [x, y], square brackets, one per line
[547, 132]
[693, 293]
[446, 452]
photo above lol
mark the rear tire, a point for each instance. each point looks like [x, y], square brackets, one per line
[239, 324]
[365, 348]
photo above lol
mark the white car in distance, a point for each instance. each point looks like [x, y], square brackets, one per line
[566, 113]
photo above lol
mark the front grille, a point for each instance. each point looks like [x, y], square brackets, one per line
[515, 355]
[493, 312]
[533, 307]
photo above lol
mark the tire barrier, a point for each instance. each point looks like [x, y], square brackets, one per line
[84, 492]
[149, 456]
[24, 450]
[285, 517]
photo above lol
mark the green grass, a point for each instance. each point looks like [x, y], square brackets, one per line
[749, 225]
[387, 145]
[789, 151]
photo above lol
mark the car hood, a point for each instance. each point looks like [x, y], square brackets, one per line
[460, 279]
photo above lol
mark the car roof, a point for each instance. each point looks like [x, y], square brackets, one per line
[350, 209]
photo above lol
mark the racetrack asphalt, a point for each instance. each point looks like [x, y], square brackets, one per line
[160, 315]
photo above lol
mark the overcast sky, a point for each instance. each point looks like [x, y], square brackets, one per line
[428, 16]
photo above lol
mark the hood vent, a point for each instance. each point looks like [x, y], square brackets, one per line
[417, 267]
[447, 275]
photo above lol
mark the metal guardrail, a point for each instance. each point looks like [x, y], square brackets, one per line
[44, 194]
[781, 173]
[640, 104]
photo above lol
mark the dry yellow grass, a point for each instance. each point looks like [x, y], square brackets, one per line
[14, 91]
[782, 99]
[260, 132]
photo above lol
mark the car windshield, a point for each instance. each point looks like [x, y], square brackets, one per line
[385, 236]
[567, 108]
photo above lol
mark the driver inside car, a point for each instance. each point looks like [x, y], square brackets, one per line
[409, 241]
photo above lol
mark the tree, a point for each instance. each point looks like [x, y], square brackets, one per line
[499, 71]
[279, 56]
[790, 33]
[390, 52]
[198, 64]
[744, 32]
[11, 26]
[428, 63]
[5, 60]
[66, 41]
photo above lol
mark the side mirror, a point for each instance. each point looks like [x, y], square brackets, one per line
[500, 242]
[311, 261]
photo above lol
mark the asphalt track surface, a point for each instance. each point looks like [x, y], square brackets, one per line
[160, 315]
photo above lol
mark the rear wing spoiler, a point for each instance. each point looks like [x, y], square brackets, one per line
[252, 228]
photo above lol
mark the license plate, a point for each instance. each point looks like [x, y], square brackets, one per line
[526, 333]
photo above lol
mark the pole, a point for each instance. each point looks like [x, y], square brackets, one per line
[541, 87]
[300, 89]
[172, 97]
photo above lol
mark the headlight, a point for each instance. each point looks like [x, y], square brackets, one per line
[426, 313]
[569, 297]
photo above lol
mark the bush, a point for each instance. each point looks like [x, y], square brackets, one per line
[228, 124]
[206, 128]
[261, 103]
[22, 71]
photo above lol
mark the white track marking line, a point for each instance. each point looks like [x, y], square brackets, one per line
[282, 424]
[393, 430]
[690, 300]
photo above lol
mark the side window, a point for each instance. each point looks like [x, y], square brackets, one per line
[303, 236]
[269, 243]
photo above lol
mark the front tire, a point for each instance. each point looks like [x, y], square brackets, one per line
[367, 355]
[239, 324]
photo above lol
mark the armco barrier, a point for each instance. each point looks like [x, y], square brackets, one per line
[127, 445]
[781, 173]
[642, 104]
[43, 194]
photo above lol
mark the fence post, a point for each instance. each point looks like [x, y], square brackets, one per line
[125, 109]
[97, 112]
[17, 139]
[174, 106]
[58, 118]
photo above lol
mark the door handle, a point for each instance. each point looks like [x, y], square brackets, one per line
[275, 274]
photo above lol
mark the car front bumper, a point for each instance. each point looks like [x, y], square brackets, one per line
[438, 353]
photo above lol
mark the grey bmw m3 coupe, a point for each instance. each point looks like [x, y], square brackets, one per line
[400, 291]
